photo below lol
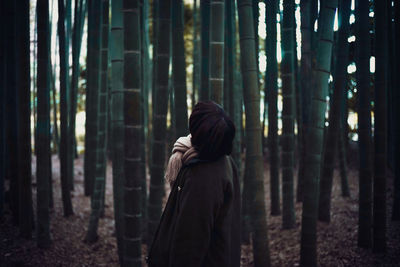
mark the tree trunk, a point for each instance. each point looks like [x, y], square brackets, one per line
[332, 134]
[159, 118]
[363, 53]
[380, 133]
[314, 135]
[254, 158]
[205, 50]
[24, 122]
[288, 96]
[179, 69]
[43, 125]
[117, 119]
[65, 153]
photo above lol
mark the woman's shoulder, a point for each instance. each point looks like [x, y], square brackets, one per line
[220, 169]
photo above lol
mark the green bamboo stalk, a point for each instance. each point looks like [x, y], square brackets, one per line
[56, 136]
[155, 29]
[256, 15]
[217, 50]
[254, 158]
[205, 50]
[179, 69]
[145, 87]
[307, 26]
[288, 117]
[171, 132]
[332, 134]
[314, 135]
[68, 28]
[34, 77]
[56, 140]
[117, 118]
[363, 76]
[343, 163]
[159, 117]
[229, 57]
[65, 153]
[103, 104]
[79, 18]
[297, 92]
[97, 196]
[68, 36]
[236, 105]
[92, 90]
[271, 94]
[226, 90]
[196, 55]
[52, 70]
[133, 126]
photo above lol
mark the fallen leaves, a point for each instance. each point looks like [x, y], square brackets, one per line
[337, 241]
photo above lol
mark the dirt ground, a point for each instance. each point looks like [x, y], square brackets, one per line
[337, 241]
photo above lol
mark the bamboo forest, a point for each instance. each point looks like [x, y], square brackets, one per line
[94, 94]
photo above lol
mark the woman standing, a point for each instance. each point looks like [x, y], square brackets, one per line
[200, 225]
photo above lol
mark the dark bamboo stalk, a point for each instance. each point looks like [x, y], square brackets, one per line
[24, 122]
[254, 162]
[65, 153]
[380, 133]
[43, 126]
[363, 75]
[315, 133]
[332, 134]
[205, 50]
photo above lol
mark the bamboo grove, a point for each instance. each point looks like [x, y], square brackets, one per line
[136, 68]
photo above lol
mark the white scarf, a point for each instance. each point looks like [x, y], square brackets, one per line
[182, 153]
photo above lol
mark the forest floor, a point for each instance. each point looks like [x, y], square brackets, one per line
[337, 241]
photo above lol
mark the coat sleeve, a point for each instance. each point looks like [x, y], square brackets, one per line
[199, 203]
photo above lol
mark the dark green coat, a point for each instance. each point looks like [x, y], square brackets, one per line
[200, 225]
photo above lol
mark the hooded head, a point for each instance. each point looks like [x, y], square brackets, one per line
[212, 130]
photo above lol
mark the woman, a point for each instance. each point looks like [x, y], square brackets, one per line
[200, 225]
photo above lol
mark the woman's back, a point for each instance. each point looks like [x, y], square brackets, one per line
[200, 225]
